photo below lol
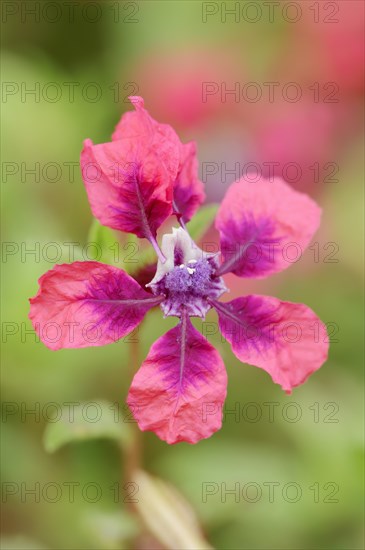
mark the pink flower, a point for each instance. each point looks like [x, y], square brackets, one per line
[338, 41]
[286, 144]
[180, 389]
[182, 84]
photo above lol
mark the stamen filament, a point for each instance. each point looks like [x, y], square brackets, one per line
[158, 250]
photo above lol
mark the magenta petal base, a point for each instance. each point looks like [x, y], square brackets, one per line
[179, 391]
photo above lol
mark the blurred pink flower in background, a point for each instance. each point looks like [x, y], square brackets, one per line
[174, 83]
[297, 142]
[339, 38]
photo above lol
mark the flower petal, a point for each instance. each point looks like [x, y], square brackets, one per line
[262, 225]
[188, 189]
[179, 391]
[287, 340]
[128, 187]
[139, 125]
[87, 304]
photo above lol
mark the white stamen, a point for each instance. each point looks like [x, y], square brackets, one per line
[190, 270]
[181, 266]
[192, 261]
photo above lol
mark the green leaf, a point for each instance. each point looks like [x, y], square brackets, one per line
[111, 530]
[106, 243]
[20, 542]
[100, 234]
[237, 457]
[123, 250]
[88, 420]
[202, 221]
[167, 515]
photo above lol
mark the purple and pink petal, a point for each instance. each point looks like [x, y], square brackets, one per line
[287, 340]
[188, 189]
[259, 221]
[87, 304]
[139, 125]
[181, 379]
[128, 188]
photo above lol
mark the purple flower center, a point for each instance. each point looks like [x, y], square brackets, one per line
[190, 286]
[187, 279]
[193, 278]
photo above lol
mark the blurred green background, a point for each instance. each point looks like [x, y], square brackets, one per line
[82, 60]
